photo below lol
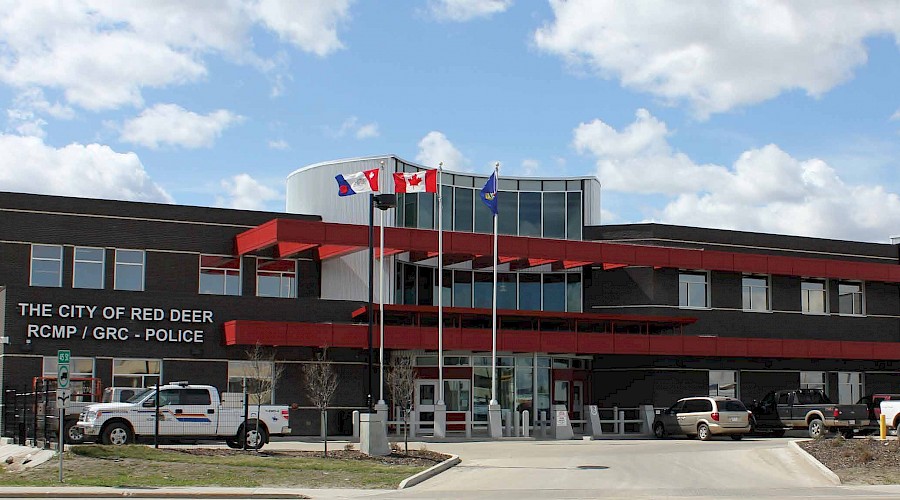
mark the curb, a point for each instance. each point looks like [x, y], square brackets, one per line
[828, 473]
[429, 473]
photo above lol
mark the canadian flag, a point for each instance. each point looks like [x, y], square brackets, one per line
[416, 182]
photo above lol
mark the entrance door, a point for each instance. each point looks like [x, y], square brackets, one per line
[426, 397]
[561, 393]
[577, 400]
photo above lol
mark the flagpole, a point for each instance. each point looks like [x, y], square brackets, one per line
[381, 298]
[494, 301]
[440, 217]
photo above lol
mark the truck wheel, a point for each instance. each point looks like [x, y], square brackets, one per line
[659, 430]
[233, 443]
[816, 428]
[255, 440]
[117, 434]
[703, 432]
[74, 434]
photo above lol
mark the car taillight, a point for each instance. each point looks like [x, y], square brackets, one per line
[836, 413]
[715, 416]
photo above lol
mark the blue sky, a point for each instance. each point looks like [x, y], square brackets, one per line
[762, 116]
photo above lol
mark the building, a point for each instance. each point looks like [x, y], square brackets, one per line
[616, 315]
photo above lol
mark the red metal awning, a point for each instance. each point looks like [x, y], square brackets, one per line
[289, 237]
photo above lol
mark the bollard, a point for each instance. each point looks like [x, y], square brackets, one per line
[882, 426]
[622, 422]
[525, 416]
[615, 420]
[356, 425]
[517, 423]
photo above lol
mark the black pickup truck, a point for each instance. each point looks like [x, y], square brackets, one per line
[810, 409]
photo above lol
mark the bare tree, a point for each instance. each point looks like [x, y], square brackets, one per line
[261, 378]
[321, 383]
[401, 382]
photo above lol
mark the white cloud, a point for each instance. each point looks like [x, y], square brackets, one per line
[28, 107]
[896, 115]
[530, 167]
[435, 148]
[766, 189]
[102, 53]
[352, 126]
[29, 165]
[279, 144]
[174, 125]
[367, 131]
[245, 192]
[718, 55]
[466, 10]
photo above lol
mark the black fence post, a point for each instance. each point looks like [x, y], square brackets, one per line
[156, 419]
[46, 422]
[243, 435]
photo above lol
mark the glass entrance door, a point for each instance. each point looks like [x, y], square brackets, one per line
[426, 397]
[561, 393]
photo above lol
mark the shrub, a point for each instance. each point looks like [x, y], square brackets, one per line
[349, 447]
[396, 448]
[838, 441]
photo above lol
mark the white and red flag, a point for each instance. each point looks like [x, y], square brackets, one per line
[359, 182]
[424, 181]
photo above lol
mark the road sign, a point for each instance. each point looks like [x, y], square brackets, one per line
[63, 396]
[62, 380]
[63, 356]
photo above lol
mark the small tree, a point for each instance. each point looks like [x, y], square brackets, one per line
[262, 374]
[401, 382]
[321, 383]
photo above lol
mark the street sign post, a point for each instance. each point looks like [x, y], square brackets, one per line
[63, 393]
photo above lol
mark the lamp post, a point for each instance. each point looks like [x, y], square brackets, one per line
[382, 202]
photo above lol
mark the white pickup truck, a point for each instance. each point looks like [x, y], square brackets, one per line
[185, 411]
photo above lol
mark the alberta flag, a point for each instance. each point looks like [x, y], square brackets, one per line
[489, 193]
[360, 182]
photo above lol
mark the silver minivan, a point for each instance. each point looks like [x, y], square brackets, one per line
[703, 417]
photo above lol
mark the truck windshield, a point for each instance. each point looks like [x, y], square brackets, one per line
[138, 394]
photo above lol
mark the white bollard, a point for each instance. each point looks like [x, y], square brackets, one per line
[525, 416]
[622, 422]
[356, 425]
[615, 419]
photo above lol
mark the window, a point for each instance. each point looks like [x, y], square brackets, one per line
[88, 268]
[813, 297]
[462, 209]
[573, 216]
[136, 372]
[276, 278]
[554, 292]
[692, 290]
[183, 397]
[850, 298]
[697, 406]
[755, 291]
[130, 270]
[530, 214]
[554, 220]
[220, 275]
[812, 380]
[723, 383]
[78, 367]
[46, 265]
[530, 292]
[456, 395]
[253, 377]
[850, 387]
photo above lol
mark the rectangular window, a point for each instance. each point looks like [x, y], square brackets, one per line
[530, 214]
[136, 372]
[507, 212]
[554, 293]
[506, 291]
[554, 216]
[850, 387]
[573, 292]
[88, 268]
[78, 367]
[462, 289]
[723, 383]
[573, 216]
[253, 377]
[426, 211]
[276, 278]
[755, 292]
[529, 292]
[130, 270]
[462, 210]
[693, 290]
[813, 297]
[220, 275]
[812, 380]
[850, 298]
[484, 219]
[456, 395]
[46, 265]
